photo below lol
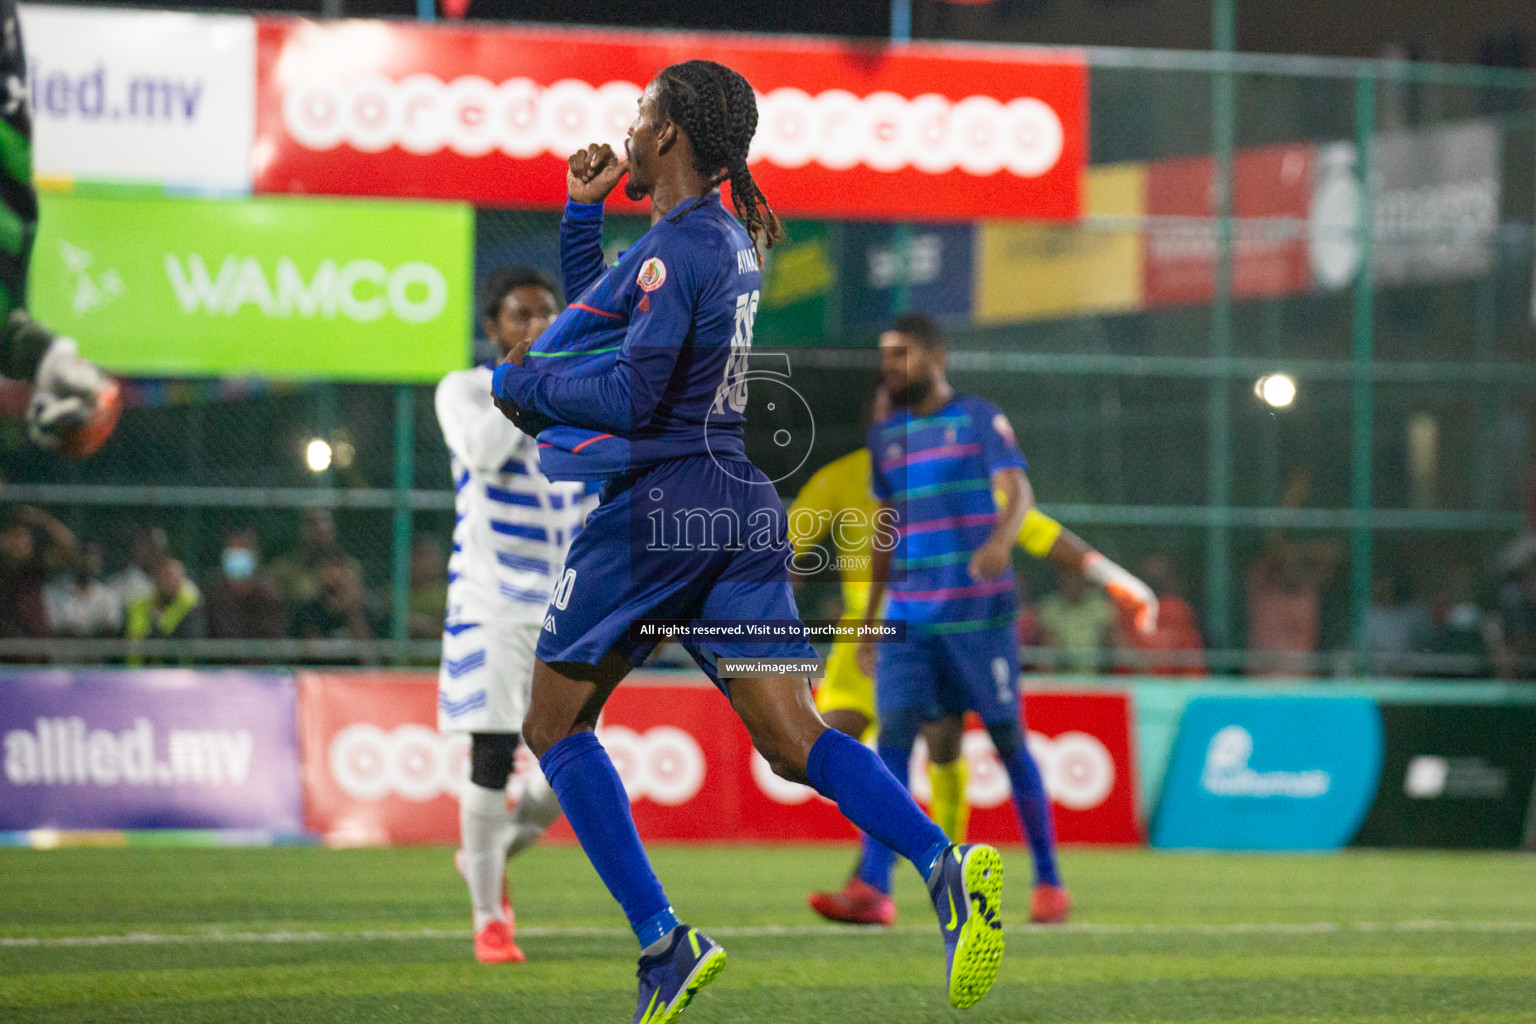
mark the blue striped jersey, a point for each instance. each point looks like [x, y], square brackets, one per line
[936, 473]
[512, 525]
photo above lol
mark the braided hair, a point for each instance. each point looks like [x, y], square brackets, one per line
[716, 107]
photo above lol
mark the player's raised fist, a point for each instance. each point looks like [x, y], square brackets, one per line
[593, 172]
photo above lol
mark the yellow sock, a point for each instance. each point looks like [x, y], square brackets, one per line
[951, 811]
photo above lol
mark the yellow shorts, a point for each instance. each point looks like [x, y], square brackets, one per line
[845, 688]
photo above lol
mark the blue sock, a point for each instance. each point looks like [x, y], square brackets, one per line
[592, 797]
[875, 865]
[847, 772]
[1034, 812]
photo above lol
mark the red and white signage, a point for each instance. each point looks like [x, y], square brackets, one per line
[1268, 258]
[377, 772]
[490, 115]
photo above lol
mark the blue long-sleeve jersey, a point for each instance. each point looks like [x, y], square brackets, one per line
[652, 350]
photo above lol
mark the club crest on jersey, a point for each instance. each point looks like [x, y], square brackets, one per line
[1002, 426]
[653, 274]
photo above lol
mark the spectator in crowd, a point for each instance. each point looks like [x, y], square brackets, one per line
[1176, 647]
[148, 550]
[429, 588]
[1458, 629]
[171, 611]
[33, 545]
[1078, 622]
[79, 603]
[1394, 626]
[241, 605]
[1284, 605]
[341, 609]
[1515, 655]
[297, 573]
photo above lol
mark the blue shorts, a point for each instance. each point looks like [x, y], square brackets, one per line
[950, 673]
[690, 538]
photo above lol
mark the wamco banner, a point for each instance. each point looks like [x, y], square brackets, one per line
[278, 288]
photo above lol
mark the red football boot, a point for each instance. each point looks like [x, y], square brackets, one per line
[857, 903]
[1051, 905]
[494, 945]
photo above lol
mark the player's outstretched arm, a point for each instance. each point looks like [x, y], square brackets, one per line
[1043, 537]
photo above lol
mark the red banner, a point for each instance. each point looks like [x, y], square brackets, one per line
[489, 115]
[1267, 259]
[377, 771]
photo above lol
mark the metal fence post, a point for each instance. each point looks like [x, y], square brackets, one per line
[400, 563]
[1362, 388]
[1218, 537]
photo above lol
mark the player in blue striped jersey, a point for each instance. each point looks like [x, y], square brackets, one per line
[512, 527]
[938, 463]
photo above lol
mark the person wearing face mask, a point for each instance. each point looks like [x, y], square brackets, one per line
[241, 605]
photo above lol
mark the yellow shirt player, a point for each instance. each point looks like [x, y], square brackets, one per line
[837, 504]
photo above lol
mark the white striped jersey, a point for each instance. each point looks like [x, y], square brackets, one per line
[512, 525]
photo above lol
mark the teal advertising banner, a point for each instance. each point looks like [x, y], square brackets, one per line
[1270, 773]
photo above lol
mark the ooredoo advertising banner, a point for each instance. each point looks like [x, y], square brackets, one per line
[1082, 743]
[1270, 773]
[141, 97]
[491, 114]
[378, 772]
[278, 288]
[1268, 258]
[1454, 776]
[148, 749]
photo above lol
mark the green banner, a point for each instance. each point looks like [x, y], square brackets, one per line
[284, 288]
[799, 279]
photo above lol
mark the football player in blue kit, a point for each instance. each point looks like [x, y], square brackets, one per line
[949, 469]
[677, 309]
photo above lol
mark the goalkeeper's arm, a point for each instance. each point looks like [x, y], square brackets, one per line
[1045, 538]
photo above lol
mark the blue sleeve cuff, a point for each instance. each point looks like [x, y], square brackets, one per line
[504, 380]
[583, 211]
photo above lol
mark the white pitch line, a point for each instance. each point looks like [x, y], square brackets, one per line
[763, 931]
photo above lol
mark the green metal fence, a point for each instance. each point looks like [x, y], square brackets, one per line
[1408, 448]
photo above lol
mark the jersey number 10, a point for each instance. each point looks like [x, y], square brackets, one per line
[733, 388]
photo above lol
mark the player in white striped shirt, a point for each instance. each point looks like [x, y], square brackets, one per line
[511, 531]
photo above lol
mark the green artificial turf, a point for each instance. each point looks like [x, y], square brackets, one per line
[315, 935]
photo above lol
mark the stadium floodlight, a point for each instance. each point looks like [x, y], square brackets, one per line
[317, 454]
[1277, 390]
